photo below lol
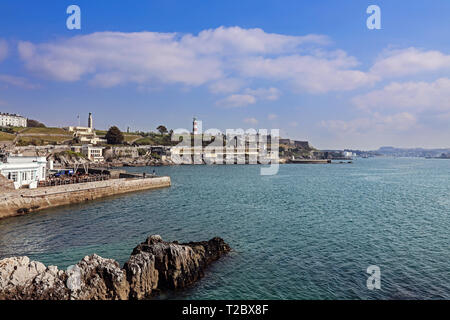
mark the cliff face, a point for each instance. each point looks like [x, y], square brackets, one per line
[154, 265]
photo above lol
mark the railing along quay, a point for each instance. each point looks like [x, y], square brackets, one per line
[52, 182]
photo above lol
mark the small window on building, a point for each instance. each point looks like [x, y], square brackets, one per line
[14, 176]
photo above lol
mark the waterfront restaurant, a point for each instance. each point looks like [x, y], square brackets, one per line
[24, 171]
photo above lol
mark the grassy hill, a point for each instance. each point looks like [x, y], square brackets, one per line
[45, 131]
[6, 136]
[42, 136]
[131, 137]
[100, 133]
[42, 140]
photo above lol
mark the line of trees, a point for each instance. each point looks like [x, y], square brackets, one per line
[115, 136]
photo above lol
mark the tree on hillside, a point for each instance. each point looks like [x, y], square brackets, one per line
[162, 129]
[114, 136]
[34, 124]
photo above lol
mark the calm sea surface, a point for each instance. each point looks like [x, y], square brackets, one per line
[309, 232]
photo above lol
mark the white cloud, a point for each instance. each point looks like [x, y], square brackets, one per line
[397, 107]
[236, 40]
[227, 85]
[314, 74]
[16, 81]
[124, 57]
[225, 59]
[415, 96]
[271, 94]
[237, 100]
[409, 61]
[251, 121]
[250, 96]
[375, 123]
[222, 58]
[272, 116]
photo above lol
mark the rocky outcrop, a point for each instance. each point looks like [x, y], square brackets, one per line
[142, 275]
[154, 266]
[22, 279]
[159, 265]
[180, 265]
[97, 278]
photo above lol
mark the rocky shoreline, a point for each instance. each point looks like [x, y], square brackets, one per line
[154, 266]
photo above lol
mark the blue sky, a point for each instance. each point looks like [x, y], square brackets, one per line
[309, 68]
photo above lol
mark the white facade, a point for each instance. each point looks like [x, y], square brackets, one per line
[86, 135]
[347, 154]
[94, 154]
[12, 120]
[24, 171]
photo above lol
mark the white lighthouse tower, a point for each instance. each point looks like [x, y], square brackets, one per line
[195, 126]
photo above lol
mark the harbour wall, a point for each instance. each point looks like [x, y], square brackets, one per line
[22, 202]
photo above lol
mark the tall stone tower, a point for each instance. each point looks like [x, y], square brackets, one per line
[90, 121]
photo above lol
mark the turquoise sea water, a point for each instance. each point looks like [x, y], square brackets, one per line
[309, 232]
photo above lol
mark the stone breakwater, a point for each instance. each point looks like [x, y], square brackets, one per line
[21, 202]
[154, 266]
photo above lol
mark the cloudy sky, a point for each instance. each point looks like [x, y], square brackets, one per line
[310, 68]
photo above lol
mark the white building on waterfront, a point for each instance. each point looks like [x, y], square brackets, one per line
[347, 154]
[93, 153]
[24, 171]
[12, 120]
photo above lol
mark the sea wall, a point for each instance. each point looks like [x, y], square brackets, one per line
[154, 266]
[25, 201]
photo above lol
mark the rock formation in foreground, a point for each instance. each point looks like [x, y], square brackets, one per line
[154, 265]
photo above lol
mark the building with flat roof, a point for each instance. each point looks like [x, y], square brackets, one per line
[87, 135]
[24, 171]
[12, 120]
[93, 153]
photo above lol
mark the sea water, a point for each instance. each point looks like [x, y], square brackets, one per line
[309, 232]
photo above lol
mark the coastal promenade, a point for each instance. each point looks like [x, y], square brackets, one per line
[21, 202]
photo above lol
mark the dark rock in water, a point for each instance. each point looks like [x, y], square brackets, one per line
[154, 265]
[180, 265]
